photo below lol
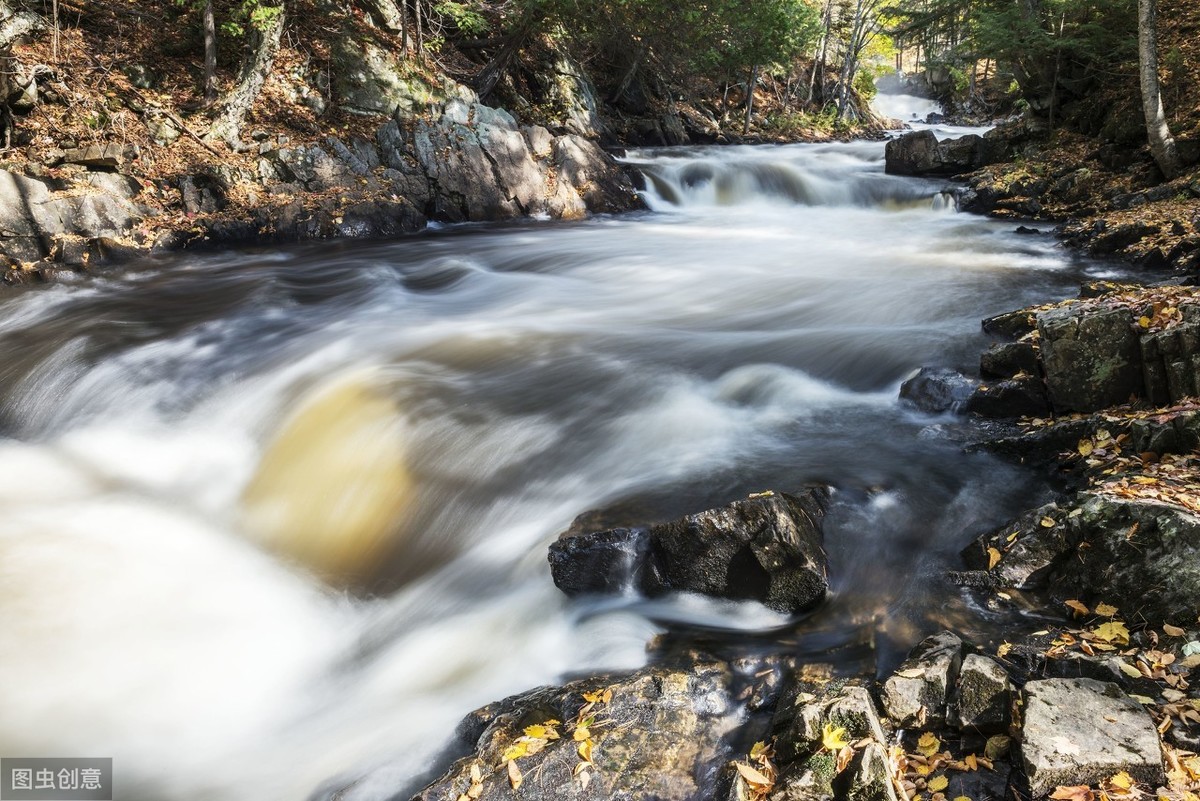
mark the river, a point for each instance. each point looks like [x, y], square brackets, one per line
[274, 520]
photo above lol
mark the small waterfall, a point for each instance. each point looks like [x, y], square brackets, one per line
[839, 174]
[906, 108]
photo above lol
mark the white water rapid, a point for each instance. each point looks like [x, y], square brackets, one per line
[274, 521]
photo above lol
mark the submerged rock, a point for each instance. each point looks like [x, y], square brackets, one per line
[766, 549]
[1081, 731]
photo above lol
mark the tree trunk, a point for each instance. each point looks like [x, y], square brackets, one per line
[750, 98]
[210, 53]
[1162, 145]
[231, 113]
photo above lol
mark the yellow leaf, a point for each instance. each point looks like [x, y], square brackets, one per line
[514, 775]
[1144, 700]
[1128, 669]
[585, 750]
[1076, 792]
[751, 775]
[1047, 522]
[929, 744]
[593, 697]
[541, 733]
[1122, 780]
[993, 558]
[1144, 321]
[938, 783]
[911, 673]
[1077, 606]
[1113, 632]
[1105, 610]
[963, 798]
[833, 738]
[1003, 650]
[1086, 447]
[1173, 631]
[476, 774]
[581, 733]
[759, 750]
[515, 751]
[971, 761]
[474, 791]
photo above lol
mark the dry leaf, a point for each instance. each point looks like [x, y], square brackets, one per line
[1048, 522]
[929, 744]
[1113, 632]
[1173, 631]
[514, 775]
[1075, 792]
[994, 557]
[1077, 606]
[751, 775]
[938, 783]
[911, 673]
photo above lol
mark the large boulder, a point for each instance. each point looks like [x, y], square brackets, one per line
[1082, 731]
[767, 548]
[920, 153]
[918, 692]
[937, 389]
[1091, 357]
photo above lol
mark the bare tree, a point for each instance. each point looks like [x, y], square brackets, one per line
[231, 111]
[1162, 145]
[210, 53]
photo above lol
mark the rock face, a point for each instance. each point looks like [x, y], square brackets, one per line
[1090, 357]
[920, 153]
[983, 697]
[658, 735]
[1081, 731]
[937, 389]
[917, 693]
[766, 549]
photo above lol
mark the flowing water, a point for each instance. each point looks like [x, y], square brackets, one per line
[275, 520]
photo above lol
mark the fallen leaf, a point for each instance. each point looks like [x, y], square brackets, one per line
[585, 750]
[1145, 700]
[1113, 632]
[1077, 606]
[1003, 650]
[929, 744]
[515, 751]
[971, 762]
[1047, 522]
[585, 778]
[938, 783]
[514, 775]
[1085, 447]
[1075, 792]
[997, 746]
[1121, 781]
[994, 557]
[1173, 631]
[911, 673]
[751, 775]
[1105, 610]
[1128, 669]
[833, 738]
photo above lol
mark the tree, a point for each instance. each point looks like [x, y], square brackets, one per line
[1162, 145]
[265, 29]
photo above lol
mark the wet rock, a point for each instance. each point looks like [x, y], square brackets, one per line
[1027, 549]
[1014, 397]
[937, 389]
[662, 735]
[1091, 357]
[766, 549]
[1008, 359]
[1081, 731]
[983, 696]
[920, 153]
[916, 694]
[1011, 324]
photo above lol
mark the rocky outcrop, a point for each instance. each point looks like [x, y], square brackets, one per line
[920, 153]
[657, 733]
[937, 389]
[767, 548]
[1081, 731]
[917, 694]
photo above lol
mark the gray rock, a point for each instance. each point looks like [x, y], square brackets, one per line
[871, 776]
[28, 217]
[917, 693]
[983, 696]
[662, 735]
[1007, 359]
[1081, 731]
[1009, 398]
[920, 153]
[766, 549]
[1011, 324]
[1091, 357]
[105, 157]
[937, 389]
[1028, 549]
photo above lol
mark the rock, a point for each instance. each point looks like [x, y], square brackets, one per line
[101, 157]
[202, 194]
[937, 389]
[105, 250]
[916, 694]
[1091, 357]
[766, 549]
[1027, 548]
[871, 776]
[920, 153]
[1012, 324]
[1014, 397]
[1081, 731]
[1007, 359]
[367, 79]
[28, 217]
[662, 736]
[140, 76]
[983, 697]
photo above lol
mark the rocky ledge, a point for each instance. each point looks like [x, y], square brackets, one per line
[458, 161]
